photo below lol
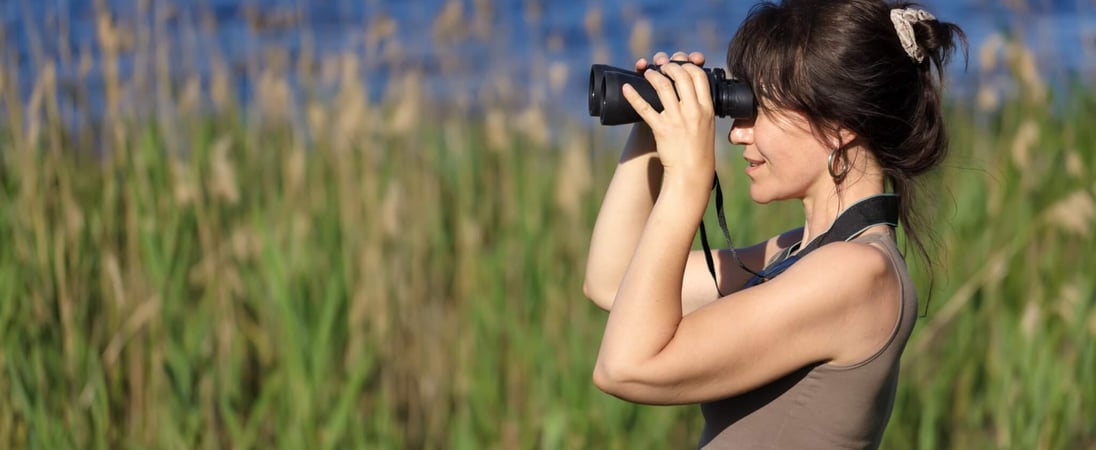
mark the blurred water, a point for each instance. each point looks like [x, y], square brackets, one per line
[539, 49]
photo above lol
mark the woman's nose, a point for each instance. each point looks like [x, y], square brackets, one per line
[741, 132]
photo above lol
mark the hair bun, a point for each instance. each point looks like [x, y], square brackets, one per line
[936, 38]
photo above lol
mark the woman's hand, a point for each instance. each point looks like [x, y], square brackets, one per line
[684, 131]
[661, 58]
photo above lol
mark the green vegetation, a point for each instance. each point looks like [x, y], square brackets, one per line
[387, 281]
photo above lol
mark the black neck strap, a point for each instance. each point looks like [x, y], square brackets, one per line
[869, 212]
[876, 210]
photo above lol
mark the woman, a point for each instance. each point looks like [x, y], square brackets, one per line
[848, 115]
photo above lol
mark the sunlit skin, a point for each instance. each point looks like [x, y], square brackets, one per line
[670, 338]
[783, 158]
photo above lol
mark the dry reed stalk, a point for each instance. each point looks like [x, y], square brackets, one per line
[574, 177]
[352, 114]
[593, 22]
[1070, 300]
[483, 18]
[1022, 62]
[497, 131]
[220, 86]
[190, 99]
[36, 109]
[532, 124]
[1092, 322]
[9, 95]
[380, 28]
[1073, 214]
[1027, 136]
[449, 25]
[109, 44]
[639, 42]
[408, 105]
[222, 182]
[274, 95]
[558, 73]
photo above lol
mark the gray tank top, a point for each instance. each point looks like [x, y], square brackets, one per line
[821, 406]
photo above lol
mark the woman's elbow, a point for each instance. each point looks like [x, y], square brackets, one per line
[599, 295]
[623, 384]
[608, 380]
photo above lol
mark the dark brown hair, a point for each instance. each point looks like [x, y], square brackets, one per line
[842, 65]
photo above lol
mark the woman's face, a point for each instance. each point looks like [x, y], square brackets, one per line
[785, 160]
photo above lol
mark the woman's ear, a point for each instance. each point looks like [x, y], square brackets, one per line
[845, 137]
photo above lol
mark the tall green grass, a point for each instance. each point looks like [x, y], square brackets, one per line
[380, 277]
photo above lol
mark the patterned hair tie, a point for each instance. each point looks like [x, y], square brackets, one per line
[903, 24]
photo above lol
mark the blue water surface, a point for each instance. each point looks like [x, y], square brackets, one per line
[527, 41]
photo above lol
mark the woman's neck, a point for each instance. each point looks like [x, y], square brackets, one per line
[822, 210]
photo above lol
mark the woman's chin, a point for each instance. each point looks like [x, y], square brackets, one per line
[759, 196]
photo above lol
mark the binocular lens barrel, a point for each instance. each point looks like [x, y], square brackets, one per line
[731, 98]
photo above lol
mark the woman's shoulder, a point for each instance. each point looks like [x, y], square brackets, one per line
[858, 265]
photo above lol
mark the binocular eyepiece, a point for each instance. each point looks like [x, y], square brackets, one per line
[731, 98]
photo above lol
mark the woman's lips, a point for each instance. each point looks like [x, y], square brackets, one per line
[752, 164]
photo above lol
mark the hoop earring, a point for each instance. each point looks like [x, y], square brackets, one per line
[844, 170]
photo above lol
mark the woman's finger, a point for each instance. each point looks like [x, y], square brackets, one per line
[679, 56]
[701, 85]
[664, 88]
[660, 58]
[683, 84]
[644, 109]
[641, 65]
[697, 58]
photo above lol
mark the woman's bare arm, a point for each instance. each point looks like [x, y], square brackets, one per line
[627, 205]
[624, 210]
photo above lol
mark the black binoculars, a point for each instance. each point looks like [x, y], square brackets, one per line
[731, 98]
